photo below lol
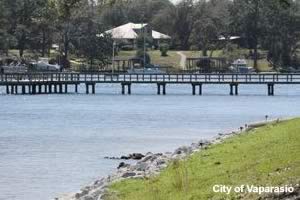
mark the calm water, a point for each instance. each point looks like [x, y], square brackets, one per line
[52, 144]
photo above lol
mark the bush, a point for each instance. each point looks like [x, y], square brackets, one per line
[140, 55]
[164, 48]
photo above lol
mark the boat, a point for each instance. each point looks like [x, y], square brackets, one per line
[241, 66]
[43, 65]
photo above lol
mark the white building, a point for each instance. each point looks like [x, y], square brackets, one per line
[128, 33]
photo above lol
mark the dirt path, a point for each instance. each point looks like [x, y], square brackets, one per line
[182, 60]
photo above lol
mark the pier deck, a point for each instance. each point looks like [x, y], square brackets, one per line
[38, 83]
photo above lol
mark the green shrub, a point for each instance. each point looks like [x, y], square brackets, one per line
[140, 54]
[164, 48]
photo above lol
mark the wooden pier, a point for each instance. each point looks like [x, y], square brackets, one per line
[61, 83]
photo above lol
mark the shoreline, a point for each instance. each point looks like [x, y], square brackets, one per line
[152, 164]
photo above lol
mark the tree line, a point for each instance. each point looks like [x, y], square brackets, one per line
[271, 25]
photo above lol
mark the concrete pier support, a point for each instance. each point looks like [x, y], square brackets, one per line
[124, 85]
[7, 89]
[234, 89]
[16, 89]
[55, 88]
[45, 89]
[50, 88]
[87, 89]
[33, 89]
[23, 89]
[93, 88]
[40, 89]
[163, 87]
[12, 89]
[76, 88]
[60, 88]
[194, 88]
[66, 88]
[271, 89]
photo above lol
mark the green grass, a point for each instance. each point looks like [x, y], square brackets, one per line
[268, 156]
[197, 54]
[263, 65]
[172, 60]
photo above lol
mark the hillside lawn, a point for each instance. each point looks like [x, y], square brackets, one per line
[267, 156]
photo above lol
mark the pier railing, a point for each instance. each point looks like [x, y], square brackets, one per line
[150, 78]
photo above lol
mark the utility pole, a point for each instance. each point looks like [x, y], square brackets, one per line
[144, 28]
[113, 57]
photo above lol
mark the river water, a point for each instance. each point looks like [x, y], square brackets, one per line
[55, 144]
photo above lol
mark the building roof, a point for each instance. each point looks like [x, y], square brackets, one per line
[128, 31]
[230, 38]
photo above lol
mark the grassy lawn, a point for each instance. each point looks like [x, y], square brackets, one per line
[197, 54]
[172, 60]
[262, 64]
[268, 156]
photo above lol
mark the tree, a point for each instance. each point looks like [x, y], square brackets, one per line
[46, 27]
[246, 17]
[5, 37]
[282, 31]
[271, 24]
[177, 21]
[22, 20]
[211, 22]
[90, 44]
[66, 11]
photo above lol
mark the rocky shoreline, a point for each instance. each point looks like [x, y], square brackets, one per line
[151, 164]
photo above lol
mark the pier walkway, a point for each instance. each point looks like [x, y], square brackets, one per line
[58, 83]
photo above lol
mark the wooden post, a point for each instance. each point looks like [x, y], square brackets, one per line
[123, 89]
[7, 89]
[271, 89]
[16, 89]
[40, 89]
[60, 89]
[23, 89]
[200, 89]
[87, 89]
[158, 89]
[55, 88]
[93, 88]
[33, 89]
[66, 88]
[76, 88]
[12, 89]
[45, 89]
[231, 89]
[236, 89]
[164, 89]
[50, 88]
[129, 88]
[194, 89]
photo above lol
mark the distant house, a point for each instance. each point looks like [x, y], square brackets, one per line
[128, 34]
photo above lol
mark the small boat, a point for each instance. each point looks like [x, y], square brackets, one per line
[43, 65]
[241, 66]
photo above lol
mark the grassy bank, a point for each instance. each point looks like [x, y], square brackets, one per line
[268, 156]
